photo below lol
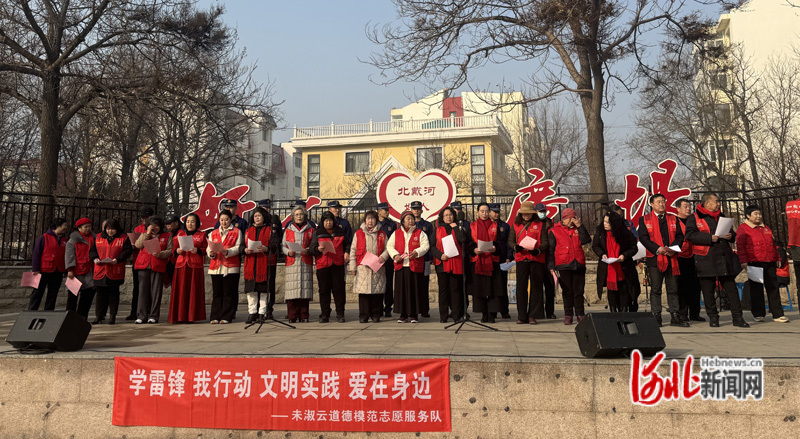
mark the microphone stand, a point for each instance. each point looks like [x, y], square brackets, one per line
[465, 315]
[271, 319]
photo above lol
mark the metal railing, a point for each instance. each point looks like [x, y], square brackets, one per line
[24, 217]
[399, 126]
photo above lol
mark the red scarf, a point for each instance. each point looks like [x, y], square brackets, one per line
[704, 211]
[615, 273]
[483, 262]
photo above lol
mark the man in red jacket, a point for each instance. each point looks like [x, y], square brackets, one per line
[756, 248]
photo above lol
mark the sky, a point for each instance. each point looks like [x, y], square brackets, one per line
[316, 56]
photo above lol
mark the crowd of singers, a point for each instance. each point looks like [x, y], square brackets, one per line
[392, 263]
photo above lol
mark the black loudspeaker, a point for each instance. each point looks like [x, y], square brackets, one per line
[55, 330]
[614, 334]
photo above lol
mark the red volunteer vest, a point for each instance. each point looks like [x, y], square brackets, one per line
[651, 223]
[361, 244]
[189, 258]
[702, 225]
[417, 265]
[83, 264]
[257, 261]
[230, 241]
[53, 254]
[158, 265]
[327, 259]
[534, 230]
[106, 250]
[793, 215]
[306, 242]
[454, 265]
[568, 245]
[492, 238]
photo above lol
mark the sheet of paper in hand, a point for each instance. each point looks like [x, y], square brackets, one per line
[186, 243]
[755, 274]
[505, 266]
[528, 243]
[253, 245]
[723, 226]
[485, 246]
[449, 246]
[74, 285]
[372, 261]
[610, 261]
[641, 252]
[295, 247]
[216, 247]
[327, 247]
[30, 280]
[152, 246]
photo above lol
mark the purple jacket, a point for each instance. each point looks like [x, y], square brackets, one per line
[38, 248]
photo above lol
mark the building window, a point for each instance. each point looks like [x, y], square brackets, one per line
[313, 175]
[356, 162]
[478, 160]
[264, 135]
[429, 158]
[298, 182]
[722, 112]
[298, 162]
[453, 114]
[498, 160]
[264, 158]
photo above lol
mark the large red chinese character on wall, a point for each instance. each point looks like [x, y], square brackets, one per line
[636, 197]
[537, 191]
[208, 207]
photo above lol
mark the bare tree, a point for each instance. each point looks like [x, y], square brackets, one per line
[574, 46]
[779, 159]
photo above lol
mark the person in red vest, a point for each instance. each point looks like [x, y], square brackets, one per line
[407, 247]
[145, 215]
[224, 269]
[369, 285]
[487, 287]
[714, 259]
[688, 283]
[793, 243]
[658, 231]
[151, 271]
[299, 271]
[783, 271]
[756, 248]
[531, 264]
[330, 266]
[79, 266]
[187, 302]
[48, 259]
[112, 243]
[614, 240]
[449, 271]
[257, 270]
[568, 261]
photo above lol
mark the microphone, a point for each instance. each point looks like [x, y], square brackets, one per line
[460, 217]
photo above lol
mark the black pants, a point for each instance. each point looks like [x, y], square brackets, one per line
[572, 284]
[549, 294]
[773, 292]
[52, 283]
[81, 303]
[451, 295]
[688, 288]
[388, 296]
[424, 300]
[796, 265]
[225, 296]
[370, 306]
[504, 298]
[331, 282]
[107, 299]
[620, 300]
[273, 270]
[708, 285]
[534, 273]
[135, 292]
[657, 279]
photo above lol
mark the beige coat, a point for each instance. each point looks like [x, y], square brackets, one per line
[368, 281]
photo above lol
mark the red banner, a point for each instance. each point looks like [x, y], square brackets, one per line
[317, 394]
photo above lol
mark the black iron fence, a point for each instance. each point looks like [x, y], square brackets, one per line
[24, 216]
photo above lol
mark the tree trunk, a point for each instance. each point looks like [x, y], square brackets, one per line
[595, 145]
[51, 135]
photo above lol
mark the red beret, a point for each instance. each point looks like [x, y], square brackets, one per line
[568, 213]
[82, 221]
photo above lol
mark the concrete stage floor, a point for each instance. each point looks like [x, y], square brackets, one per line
[550, 340]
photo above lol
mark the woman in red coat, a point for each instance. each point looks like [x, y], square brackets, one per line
[756, 248]
[188, 301]
[151, 269]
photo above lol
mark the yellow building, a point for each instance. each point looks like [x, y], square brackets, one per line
[347, 161]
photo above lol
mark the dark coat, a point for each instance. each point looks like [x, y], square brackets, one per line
[628, 249]
[720, 260]
[461, 237]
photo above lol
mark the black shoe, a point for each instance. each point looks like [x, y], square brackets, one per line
[442, 320]
[426, 315]
[362, 320]
[131, 317]
[387, 314]
[506, 316]
[658, 319]
[251, 318]
[112, 320]
[262, 318]
[340, 319]
[739, 321]
[714, 322]
[492, 318]
[697, 318]
[485, 318]
[552, 317]
[97, 320]
[267, 316]
[676, 320]
[684, 318]
[324, 319]
[376, 319]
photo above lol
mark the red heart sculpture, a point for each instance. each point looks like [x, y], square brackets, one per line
[434, 188]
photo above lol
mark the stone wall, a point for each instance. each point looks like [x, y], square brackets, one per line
[73, 398]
